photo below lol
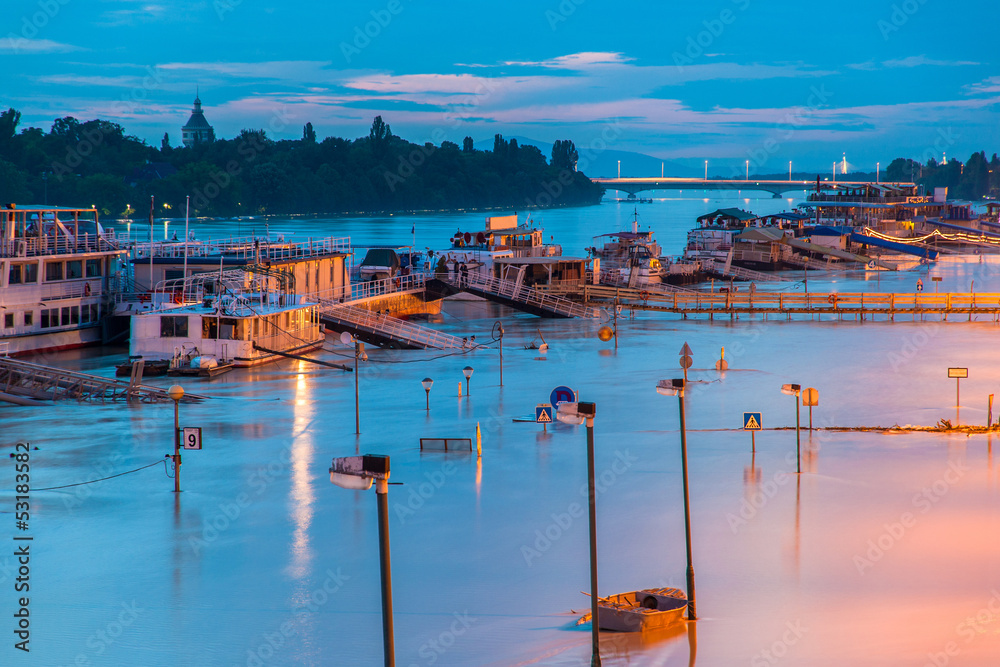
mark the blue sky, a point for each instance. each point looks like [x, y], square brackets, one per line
[725, 80]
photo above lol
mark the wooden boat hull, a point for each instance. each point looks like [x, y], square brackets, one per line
[642, 611]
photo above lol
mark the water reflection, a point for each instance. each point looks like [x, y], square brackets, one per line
[302, 495]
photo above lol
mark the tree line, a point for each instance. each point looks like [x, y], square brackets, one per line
[973, 180]
[82, 163]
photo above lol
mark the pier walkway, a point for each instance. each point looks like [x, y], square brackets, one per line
[20, 380]
[384, 330]
[859, 305]
[514, 294]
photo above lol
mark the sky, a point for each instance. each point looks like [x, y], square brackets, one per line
[727, 81]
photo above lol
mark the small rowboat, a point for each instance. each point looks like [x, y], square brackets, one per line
[641, 611]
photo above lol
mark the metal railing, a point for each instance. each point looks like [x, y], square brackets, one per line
[509, 289]
[390, 327]
[832, 302]
[372, 288]
[33, 246]
[245, 248]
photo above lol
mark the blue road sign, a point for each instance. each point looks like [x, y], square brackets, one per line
[562, 395]
[751, 421]
[543, 414]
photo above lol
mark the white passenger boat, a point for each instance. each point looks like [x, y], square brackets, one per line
[481, 251]
[241, 317]
[59, 271]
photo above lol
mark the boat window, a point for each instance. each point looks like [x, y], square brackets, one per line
[29, 318]
[65, 315]
[85, 313]
[50, 318]
[14, 277]
[210, 327]
[93, 268]
[74, 314]
[30, 273]
[173, 274]
[173, 326]
[74, 269]
[8, 320]
[94, 312]
[53, 271]
[227, 329]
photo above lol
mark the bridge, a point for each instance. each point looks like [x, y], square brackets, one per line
[775, 187]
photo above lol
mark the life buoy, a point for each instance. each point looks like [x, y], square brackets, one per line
[144, 296]
[644, 295]
[832, 298]
[178, 297]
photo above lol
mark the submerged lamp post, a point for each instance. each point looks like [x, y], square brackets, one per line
[467, 372]
[359, 355]
[578, 413]
[498, 335]
[176, 393]
[428, 383]
[793, 390]
[675, 387]
[359, 472]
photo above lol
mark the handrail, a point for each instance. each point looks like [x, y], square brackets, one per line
[392, 327]
[523, 294]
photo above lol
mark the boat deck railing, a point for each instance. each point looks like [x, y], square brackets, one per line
[246, 248]
[32, 246]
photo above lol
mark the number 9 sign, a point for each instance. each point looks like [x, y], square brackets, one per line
[192, 437]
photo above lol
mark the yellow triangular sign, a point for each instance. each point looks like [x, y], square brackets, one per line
[751, 424]
[543, 417]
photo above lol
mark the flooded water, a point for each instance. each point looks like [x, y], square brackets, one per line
[884, 551]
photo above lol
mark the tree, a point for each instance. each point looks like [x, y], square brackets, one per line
[467, 146]
[379, 136]
[308, 134]
[165, 143]
[564, 155]
[8, 128]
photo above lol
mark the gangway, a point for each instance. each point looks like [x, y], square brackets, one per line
[517, 295]
[384, 330]
[740, 273]
[47, 383]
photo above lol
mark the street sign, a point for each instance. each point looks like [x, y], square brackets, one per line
[751, 421]
[192, 437]
[810, 397]
[936, 279]
[958, 372]
[562, 394]
[543, 414]
[686, 361]
[686, 350]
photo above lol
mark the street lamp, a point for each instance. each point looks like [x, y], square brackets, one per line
[176, 393]
[793, 390]
[428, 383]
[359, 356]
[359, 472]
[675, 387]
[578, 413]
[467, 372]
[748, 170]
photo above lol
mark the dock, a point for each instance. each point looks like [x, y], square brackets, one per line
[384, 330]
[26, 383]
[838, 305]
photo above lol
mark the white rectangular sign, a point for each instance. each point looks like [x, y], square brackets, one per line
[191, 437]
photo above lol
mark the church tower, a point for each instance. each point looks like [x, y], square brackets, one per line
[197, 130]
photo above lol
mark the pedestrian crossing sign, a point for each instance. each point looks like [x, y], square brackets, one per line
[543, 414]
[751, 421]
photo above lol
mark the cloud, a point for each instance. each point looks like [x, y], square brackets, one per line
[135, 12]
[577, 61]
[909, 62]
[986, 86]
[35, 46]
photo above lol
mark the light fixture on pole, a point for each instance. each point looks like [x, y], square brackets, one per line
[789, 171]
[793, 390]
[578, 413]
[706, 170]
[675, 387]
[498, 336]
[428, 383]
[359, 472]
[467, 372]
[175, 393]
[748, 170]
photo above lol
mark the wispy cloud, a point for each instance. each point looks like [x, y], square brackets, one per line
[577, 61]
[986, 86]
[35, 46]
[909, 62]
[135, 12]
